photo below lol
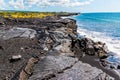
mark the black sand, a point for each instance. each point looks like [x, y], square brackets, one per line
[93, 61]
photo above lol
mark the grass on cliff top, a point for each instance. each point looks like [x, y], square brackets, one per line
[25, 14]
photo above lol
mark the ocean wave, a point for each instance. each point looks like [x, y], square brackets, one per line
[112, 43]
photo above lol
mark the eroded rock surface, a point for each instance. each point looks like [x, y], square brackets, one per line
[54, 36]
[56, 40]
[66, 68]
[17, 32]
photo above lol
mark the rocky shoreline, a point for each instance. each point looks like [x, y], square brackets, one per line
[49, 49]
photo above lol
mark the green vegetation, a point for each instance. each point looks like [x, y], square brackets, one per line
[18, 14]
[28, 14]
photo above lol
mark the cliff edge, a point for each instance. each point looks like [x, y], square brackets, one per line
[50, 50]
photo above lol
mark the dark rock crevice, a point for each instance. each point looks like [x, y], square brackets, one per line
[53, 75]
[67, 68]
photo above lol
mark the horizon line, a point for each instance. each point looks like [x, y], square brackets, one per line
[64, 11]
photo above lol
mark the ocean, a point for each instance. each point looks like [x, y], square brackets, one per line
[104, 27]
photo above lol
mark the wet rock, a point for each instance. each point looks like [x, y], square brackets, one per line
[100, 46]
[85, 45]
[90, 50]
[97, 47]
[118, 67]
[101, 49]
[90, 47]
[102, 54]
[103, 62]
[113, 65]
[107, 64]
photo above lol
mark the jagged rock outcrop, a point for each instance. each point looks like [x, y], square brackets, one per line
[89, 47]
[58, 44]
[54, 36]
[61, 42]
[66, 68]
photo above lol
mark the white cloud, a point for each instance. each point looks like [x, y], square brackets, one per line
[64, 3]
[26, 4]
[17, 4]
[31, 2]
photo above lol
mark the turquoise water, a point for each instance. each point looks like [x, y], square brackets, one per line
[103, 27]
[108, 23]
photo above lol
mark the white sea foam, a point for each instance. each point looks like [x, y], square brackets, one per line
[112, 44]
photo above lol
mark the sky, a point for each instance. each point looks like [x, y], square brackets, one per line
[61, 5]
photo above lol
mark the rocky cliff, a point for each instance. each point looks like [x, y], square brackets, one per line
[51, 50]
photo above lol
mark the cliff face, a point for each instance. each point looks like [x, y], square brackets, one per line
[59, 40]
[58, 54]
